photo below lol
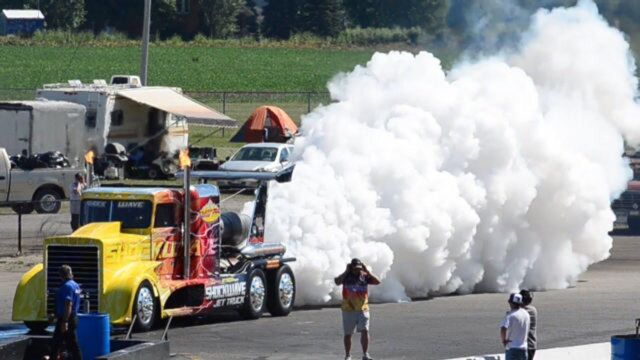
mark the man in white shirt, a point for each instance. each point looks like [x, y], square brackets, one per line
[514, 330]
[75, 193]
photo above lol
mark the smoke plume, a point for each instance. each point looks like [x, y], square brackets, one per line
[493, 176]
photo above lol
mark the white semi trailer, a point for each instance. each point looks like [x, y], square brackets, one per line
[40, 126]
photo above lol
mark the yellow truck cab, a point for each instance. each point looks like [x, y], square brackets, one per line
[130, 260]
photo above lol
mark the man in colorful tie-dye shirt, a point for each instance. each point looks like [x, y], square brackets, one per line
[355, 304]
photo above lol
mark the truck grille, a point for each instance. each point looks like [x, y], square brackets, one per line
[626, 200]
[84, 263]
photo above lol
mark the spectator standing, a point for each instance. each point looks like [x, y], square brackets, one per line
[532, 338]
[514, 329]
[355, 304]
[67, 306]
[75, 192]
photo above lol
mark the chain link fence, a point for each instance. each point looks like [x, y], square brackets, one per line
[24, 229]
[239, 105]
[236, 104]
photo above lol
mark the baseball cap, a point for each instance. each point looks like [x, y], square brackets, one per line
[515, 299]
[356, 263]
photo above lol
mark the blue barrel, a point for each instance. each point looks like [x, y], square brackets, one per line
[93, 335]
[625, 347]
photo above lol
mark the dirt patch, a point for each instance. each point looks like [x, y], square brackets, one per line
[19, 264]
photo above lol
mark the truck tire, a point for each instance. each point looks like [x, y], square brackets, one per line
[255, 298]
[145, 306]
[634, 225]
[23, 209]
[37, 327]
[154, 172]
[47, 201]
[281, 291]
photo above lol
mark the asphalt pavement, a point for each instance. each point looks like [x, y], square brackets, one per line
[603, 303]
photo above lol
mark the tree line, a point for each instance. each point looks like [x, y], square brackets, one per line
[281, 19]
[235, 18]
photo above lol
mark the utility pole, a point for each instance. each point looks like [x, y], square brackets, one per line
[145, 42]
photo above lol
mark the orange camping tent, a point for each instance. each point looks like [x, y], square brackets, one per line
[267, 123]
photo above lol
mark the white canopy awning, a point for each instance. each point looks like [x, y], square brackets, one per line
[171, 101]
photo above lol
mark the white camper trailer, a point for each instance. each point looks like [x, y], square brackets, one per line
[126, 114]
[152, 118]
[41, 126]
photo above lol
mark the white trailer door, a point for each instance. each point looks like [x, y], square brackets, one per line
[16, 127]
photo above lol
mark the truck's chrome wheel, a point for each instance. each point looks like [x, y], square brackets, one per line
[48, 203]
[285, 290]
[145, 305]
[256, 293]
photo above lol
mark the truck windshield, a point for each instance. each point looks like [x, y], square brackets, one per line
[133, 214]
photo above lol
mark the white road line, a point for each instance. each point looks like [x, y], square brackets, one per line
[600, 351]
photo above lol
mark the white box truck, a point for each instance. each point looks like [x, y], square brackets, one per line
[40, 126]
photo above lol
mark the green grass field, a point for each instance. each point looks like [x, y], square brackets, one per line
[195, 69]
[192, 68]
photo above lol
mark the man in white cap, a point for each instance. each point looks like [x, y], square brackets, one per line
[514, 330]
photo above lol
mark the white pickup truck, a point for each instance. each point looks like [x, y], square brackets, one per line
[44, 187]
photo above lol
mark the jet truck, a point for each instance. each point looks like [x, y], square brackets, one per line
[147, 253]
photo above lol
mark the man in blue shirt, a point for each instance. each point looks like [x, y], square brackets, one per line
[67, 306]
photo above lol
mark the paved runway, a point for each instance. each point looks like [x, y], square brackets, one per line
[604, 302]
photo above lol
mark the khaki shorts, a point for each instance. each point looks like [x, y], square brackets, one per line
[352, 320]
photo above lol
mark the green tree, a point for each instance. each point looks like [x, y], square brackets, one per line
[280, 18]
[220, 17]
[126, 16]
[365, 13]
[427, 14]
[321, 17]
[247, 19]
[60, 14]
[12, 4]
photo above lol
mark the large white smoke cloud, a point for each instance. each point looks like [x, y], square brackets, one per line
[493, 176]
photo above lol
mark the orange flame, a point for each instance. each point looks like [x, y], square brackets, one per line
[88, 157]
[185, 160]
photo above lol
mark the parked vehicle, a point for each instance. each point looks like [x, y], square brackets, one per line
[141, 165]
[129, 257]
[74, 117]
[126, 113]
[45, 187]
[112, 163]
[267, 157]
[33, 127]
[204, 158]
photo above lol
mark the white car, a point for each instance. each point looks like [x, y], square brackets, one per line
[270, 157]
